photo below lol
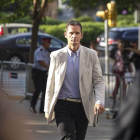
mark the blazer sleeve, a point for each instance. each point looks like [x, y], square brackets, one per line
[50, 84]
[98, 81]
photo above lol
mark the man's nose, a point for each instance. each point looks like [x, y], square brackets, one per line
[74, 35]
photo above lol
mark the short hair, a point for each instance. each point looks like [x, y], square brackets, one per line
[74, 23]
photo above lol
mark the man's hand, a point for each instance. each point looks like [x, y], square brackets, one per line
[43, 64]
[46, 115]
[100, 108]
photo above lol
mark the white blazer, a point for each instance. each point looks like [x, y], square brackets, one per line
[90, 80]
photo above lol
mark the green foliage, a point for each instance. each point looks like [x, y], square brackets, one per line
[90, 30]
[121, 5]
[126, 21]
[84, 19]
[55, 30]
[129, 5]
[51, 21]
[26, 19]
[77, 13]
[82, 4]
[129, 17]
[15, 9]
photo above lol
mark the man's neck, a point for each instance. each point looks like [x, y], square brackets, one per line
[74, 48]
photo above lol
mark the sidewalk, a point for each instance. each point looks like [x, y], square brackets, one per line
[37, 128]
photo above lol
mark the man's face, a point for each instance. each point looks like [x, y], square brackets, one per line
[120, 46]
[46, 45]
[73, 35]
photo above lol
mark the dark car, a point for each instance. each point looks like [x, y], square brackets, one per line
[127, 34]
[16, 47]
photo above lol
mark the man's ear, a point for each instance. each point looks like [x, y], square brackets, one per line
[65, 34]
[81, 35]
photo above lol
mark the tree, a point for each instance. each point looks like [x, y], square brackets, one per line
[39, 8]
[36, 8]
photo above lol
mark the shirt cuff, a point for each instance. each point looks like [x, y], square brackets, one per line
[99, 102]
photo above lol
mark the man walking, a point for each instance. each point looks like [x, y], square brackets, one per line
[74, 79]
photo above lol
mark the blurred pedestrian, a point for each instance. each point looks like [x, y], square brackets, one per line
[120, 67]
[135, 58]
[127, 124]
[93, 45]
[74, 71]
[40, 73]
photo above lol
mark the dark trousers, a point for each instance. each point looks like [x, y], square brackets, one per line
[71, 120]
[39, 80]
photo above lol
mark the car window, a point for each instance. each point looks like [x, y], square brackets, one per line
[25, 41]
[114, 34]
[14, 30]
[55, 44]
[130, 35]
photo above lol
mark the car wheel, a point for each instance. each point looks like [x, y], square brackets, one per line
[15, 58]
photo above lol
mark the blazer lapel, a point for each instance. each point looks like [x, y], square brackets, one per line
[63, 64]
[82, 62]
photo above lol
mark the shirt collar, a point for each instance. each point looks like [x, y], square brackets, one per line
[77, 52]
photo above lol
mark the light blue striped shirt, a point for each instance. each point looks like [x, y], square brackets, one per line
[70, 87]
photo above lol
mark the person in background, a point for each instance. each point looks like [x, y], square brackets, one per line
[121, 66]
[92, 45]
[39, 74]
[135, 58]
[74, 71]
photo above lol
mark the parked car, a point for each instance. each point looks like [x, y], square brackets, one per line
[12, 28]
[126, 34]
[16, 47]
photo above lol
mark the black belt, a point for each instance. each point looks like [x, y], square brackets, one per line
[72, 100]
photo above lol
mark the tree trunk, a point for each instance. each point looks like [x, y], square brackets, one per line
[33, 47]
